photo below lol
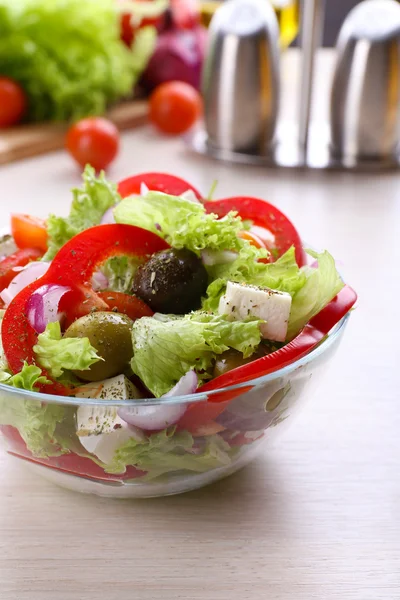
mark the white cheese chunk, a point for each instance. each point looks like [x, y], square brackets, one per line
[242, 301]
[115, 388]
[99, 428]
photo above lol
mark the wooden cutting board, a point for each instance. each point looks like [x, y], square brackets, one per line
[31, 140]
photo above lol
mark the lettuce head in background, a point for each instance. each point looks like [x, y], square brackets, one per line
[68, 56]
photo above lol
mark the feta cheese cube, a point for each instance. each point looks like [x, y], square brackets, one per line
[242, 301]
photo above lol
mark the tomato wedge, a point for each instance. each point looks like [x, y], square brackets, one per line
[18, 259]
[158, 182]
[29, 231]
[73, 266]
[264, 215]
[132, 306]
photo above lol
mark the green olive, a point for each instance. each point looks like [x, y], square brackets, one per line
[231, 359]
[111, 334]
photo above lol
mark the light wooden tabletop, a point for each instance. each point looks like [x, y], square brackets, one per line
[317, 516]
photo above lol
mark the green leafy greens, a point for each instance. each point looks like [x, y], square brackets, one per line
[57, 354]
[88, 206]
[68, 57]
[167, 347]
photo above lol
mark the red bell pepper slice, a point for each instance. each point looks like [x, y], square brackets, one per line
[20, 258]
[70, 463]
[264, 215]
[158, 182]
[301, 345]
[73, 266]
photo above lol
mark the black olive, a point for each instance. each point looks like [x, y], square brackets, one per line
[172, 281]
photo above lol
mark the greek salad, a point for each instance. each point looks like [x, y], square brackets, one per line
[146, 290]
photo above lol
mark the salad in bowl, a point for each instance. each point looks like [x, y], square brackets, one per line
[152, 340]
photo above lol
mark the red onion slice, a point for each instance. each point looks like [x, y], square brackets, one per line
[24, 276]
[99, 281]
[217, 257]
[42, 307]
[190, 196]
[144, 190]
[108, 217]
[152, 418]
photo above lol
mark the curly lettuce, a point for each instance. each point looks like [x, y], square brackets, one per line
[167, 347]
[57, 354]
[311, 288]
[88, 206]
[183, 223]
[169, 451]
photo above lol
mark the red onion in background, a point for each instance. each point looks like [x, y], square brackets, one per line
[178, 56]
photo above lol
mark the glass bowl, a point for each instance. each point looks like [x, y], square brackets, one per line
[212, 439]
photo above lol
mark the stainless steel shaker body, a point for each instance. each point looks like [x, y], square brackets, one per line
[241, 77]
[365, 99]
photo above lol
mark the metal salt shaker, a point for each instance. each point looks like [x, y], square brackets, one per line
[241, 78]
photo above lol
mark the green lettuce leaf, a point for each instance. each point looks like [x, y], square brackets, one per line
[120, 272]
[36, 423]
[183, 223]
[169, 451]
[88, 207]
[68, 56]
[166, 348]
[321, 286]
[57, 354]
[28, 378]
[311, 288]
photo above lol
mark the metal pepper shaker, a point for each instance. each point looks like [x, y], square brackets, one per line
[365, 98]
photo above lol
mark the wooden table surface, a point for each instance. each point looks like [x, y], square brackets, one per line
[318, 515]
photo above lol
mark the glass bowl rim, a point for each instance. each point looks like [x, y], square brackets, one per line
[326, 343]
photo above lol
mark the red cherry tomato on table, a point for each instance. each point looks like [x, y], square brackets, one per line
[29, 231]
[93, 141]
[174, 107]
[12, 102]
[158, 182]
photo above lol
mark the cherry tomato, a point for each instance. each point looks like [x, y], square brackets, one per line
[252, 238]
[174, 107]
[12, 102]
[29, 231]
[93, 141]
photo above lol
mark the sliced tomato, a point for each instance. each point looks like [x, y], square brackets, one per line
[128, 305]
[158, 182]
[70, 463]
[17, 259]
[80, 301]
[264, 215]
[29, 231]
